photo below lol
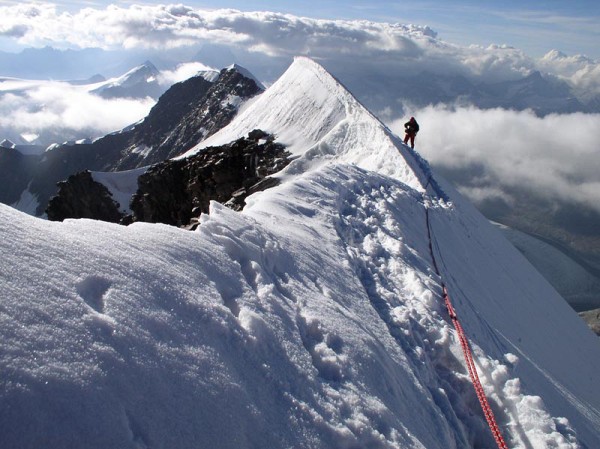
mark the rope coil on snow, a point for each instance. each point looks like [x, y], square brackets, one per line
[468, 354]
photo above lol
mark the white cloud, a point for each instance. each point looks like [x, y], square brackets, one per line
[392, 47]
[182, 72]
[55, 108]
[497, 62]
[582, 72]
[495, 152]
[169, 26]
[482, 194]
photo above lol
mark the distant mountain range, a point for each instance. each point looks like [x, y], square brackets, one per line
[542, 92]
[52, 63]
[184, 115]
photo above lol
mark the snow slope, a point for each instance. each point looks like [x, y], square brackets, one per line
[311, 113]
[312, 319]
[575, 283]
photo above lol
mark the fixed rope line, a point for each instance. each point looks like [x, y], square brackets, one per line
[466, 348]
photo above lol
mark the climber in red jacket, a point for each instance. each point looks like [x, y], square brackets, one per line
[411, 128]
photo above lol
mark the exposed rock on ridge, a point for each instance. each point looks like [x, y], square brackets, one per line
[592, 318]
[184, 115]
[181, 119]
[175, 192]
[82, 197]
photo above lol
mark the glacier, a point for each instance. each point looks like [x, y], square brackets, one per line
[314, 318]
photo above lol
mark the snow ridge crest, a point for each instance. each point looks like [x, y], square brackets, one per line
[320, 122]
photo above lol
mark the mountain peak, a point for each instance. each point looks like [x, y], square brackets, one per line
[245, 72]
[554, 55]
[139, 82]
[146, 70]
[310, 112]
[148, 64]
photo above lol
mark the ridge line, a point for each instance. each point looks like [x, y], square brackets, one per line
[464, 342]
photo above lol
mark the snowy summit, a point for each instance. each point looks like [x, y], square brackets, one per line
[313, 319]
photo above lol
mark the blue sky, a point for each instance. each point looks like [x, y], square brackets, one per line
[571, 26]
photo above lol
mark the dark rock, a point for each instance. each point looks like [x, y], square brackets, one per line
[16, 169]
[257, 134]
[175, 192]
[184, 115]
[82, 197]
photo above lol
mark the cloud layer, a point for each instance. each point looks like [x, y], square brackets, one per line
[385, 45]
[64, 111]
[169, 26]
[493, 153]
[59, 109]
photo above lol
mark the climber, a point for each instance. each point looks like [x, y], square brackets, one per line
[411, 128]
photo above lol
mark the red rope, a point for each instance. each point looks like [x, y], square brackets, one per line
[468, 354]
[485, 405]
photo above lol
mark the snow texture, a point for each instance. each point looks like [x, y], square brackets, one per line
[312, 319]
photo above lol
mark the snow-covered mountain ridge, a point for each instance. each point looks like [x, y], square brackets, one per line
[314, 318]
[139, 82]
[315, 117]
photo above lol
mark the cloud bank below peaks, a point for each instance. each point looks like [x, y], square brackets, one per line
[407, 48]
[57, 111]
[495, 154]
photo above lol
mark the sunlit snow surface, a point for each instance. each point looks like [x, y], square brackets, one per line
[313, 319]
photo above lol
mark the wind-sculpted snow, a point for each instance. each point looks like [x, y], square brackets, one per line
[261, 347]
[312, 319]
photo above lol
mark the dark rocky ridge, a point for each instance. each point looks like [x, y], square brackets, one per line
[82, 197]
[175, 192]
[184, 115]
[16, 169]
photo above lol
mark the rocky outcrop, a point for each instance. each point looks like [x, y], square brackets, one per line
[184, 115]
[176, 192]
[188, 123]
[592, 318]
[82, 197]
